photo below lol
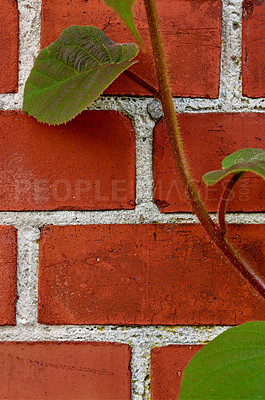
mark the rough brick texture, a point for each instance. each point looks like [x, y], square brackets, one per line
[57, 370]
[87, 164]
[145, 274]
[191, 28]
[208, 138]
[253, 77]
[167, 367]
[8, 276]
[8, 46]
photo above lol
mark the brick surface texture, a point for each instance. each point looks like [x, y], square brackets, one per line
[195, 32]
[213, 137]
[64, 371]
[8, 278]
[167, 367]
[144, 274]
[8, 46]
[87, 164]
[108, 285]
[253, 48]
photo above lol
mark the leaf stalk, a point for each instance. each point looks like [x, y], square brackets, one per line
[179, 157]
[224, 201]
[142, 83]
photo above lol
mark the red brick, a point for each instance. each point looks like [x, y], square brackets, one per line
[8, 46]
[64, 370]
[208, 139]
[87, 164]
[253, 78]
[191, 31]
[167, 367]
[8, 275]
[145, 274]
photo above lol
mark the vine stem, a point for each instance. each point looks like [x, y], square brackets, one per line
[224, 200]
[179, 157]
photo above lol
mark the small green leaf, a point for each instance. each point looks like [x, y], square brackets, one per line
[232, 366]
[124, 9]
[243, 156]
[245, 160]
[72, 72]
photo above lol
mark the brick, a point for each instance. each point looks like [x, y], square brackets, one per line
[145, 274]
[253, 57]
[8, 275]
[167, 367]
[64, 370]
[192, 37]
[87, 164]
[207, 140]
[8, 46]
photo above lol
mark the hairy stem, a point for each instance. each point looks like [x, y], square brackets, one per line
[180, 160]
[142, 83]
[224, 200]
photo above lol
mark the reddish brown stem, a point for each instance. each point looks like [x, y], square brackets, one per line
[180, 160]
[224, 201]
[142, 83]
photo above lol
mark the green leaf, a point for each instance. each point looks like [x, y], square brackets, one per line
[232, 366]
[245, 160]
[243, 156]
[124, 9]
[72, 72]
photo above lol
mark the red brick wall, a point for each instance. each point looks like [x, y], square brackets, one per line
[114, 282]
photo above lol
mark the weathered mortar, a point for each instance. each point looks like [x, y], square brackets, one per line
[142, 339]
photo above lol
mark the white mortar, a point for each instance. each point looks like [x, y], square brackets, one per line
[141, 339]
